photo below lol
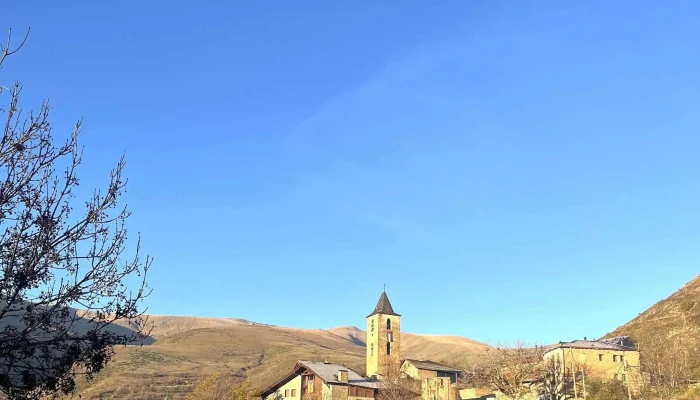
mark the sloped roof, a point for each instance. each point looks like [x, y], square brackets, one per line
[619, 340]
[590, 345]
[383, 306]
[329, 373]
[432, 366]
[326, 371]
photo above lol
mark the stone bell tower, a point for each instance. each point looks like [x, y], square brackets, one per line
[383, 340]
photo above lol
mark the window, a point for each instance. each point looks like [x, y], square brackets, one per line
[451, 376]
[614, 357]
[388, 324]
[294, 393]
[286, 392]
[388, 348]
[622, 358]
[309, 384]
[390, 337]
[371, 349]
[372, 326]
[600, 357]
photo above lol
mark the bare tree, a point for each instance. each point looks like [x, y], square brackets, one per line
[556, 379]
[669, 359]
[512, 370]
[396, 385]
[556, 383]
[58, 255]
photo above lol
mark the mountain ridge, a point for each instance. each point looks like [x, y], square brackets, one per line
[184, 349]
[680, 310]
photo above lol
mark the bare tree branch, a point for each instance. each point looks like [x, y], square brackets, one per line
[58, 255]
[669, 359]
[396, 385]
[512, 370]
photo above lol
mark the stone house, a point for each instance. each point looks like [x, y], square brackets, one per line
[321, 381]
[599, 359]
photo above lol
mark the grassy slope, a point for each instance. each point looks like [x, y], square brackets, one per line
[188, 348]
[668, 315]
[676, 317]
[428, 347]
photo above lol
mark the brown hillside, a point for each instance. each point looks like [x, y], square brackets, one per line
[188, 348]
[426, 347]
[679, 311]
[170, 325]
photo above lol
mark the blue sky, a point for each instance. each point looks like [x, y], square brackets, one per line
[511, 170]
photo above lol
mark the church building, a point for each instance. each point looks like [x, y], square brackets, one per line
[384, 370]
[383, 340]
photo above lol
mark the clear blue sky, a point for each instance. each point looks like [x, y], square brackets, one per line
[510, 169]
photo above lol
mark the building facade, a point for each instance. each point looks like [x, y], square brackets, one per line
[421, 369]
[599, 359]
[310, 380]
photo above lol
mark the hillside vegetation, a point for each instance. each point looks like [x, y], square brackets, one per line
[181, 350]
[445, 349]
[675, 314]
[668, 338]
[187, 348]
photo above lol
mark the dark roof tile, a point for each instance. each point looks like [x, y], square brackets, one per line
[383, 306]
[432, 366]
[590, 344]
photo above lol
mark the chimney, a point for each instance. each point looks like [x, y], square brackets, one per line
[343, 376]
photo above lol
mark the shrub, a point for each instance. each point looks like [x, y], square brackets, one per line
[611, 390]
[222, 387]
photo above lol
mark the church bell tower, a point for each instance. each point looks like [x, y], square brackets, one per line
[383, 340]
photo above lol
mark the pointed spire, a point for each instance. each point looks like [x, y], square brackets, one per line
[383, 306]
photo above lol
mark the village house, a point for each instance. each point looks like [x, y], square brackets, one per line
[328, 381]
[321, 381]
[420, 369]
[605, 359]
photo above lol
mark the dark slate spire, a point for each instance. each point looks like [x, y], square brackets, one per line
[383, 306]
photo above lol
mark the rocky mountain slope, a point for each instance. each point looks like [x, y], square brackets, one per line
[187, 348]
[676, 313]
